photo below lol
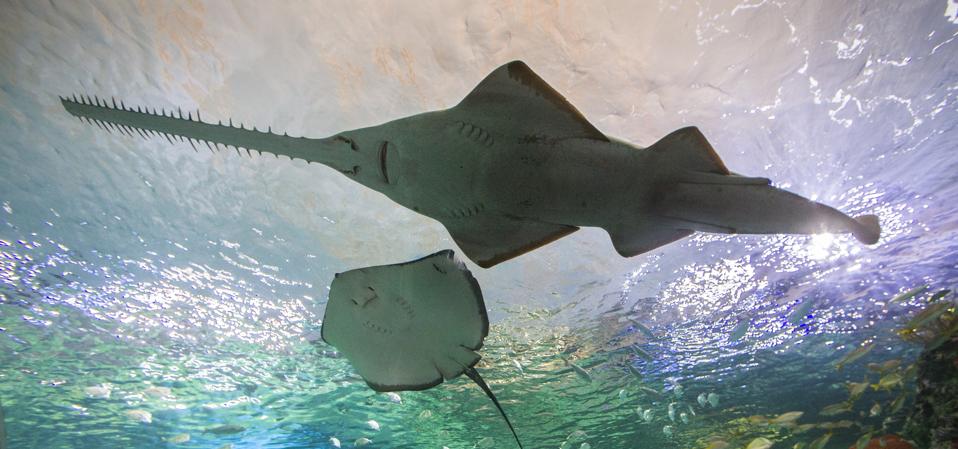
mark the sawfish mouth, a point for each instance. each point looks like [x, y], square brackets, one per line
[383, 155]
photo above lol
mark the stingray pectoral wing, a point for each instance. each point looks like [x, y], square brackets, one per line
[514, 100]
[491, 239]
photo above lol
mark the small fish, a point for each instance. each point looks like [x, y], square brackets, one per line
[142, 416]
[425, 414]
[702, 399]
[717, 444]
[909, 294]
[157, 392]
[855, 354]
[634, 372]
[939, 295]
[641, 353]
[577, 436]
[843, 424]
[885, 366]
[623, 395]
[758, 420]
[579, 371]
[684, 417]
[362, 441]
[787, 418]
[643, 329]
[836, 409]
[372, 424]
[944, 336]
[585, 446]
[691, 410]
[517, 365]
[179, 439]
[888, 381]
[856, 389]
[98, 391]
[394, 397]
[713, 400]
[647, 415]
[678, 391]
[759, 443]
[800, 312]
[820, 442]
[334, 442]
[672, 412]
[667, 430]
[225, 429]
[863, 441]
[927, 315]
[639, 410]
[740, 330]
[649, 390]
[897, 404]
[875, 410]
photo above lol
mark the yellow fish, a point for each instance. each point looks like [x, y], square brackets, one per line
[836, 409]
[856, 354]
[759, 443]
[820, 442]
[888, 381]
[787, 418]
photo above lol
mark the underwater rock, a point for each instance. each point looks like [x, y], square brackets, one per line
[933, 421]
[890, 442]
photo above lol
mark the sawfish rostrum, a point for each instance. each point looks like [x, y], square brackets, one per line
[409, 326]
[515, 166]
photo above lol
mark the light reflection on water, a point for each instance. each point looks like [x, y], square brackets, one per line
[228, 355]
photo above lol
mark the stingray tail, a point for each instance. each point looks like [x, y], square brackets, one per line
[474, 375]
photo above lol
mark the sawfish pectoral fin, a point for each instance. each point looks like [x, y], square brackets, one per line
[490, 240]
[634, 239]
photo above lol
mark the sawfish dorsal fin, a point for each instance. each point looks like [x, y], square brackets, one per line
[514, 91]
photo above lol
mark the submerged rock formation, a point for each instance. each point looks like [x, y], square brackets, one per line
[933, 422]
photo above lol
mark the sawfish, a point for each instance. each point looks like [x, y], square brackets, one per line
[515, 166]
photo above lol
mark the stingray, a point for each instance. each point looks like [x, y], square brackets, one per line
[409, 326]
[515, 166]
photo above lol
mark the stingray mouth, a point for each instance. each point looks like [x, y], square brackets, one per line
[369, 324]
[383, 154]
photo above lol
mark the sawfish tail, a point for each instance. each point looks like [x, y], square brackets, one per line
[189, 127]
[474, 375]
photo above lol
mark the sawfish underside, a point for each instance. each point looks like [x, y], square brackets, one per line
[515, 166]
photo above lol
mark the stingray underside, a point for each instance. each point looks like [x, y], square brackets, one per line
[407, 326]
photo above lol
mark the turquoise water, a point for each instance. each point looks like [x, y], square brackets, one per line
[148, 292]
